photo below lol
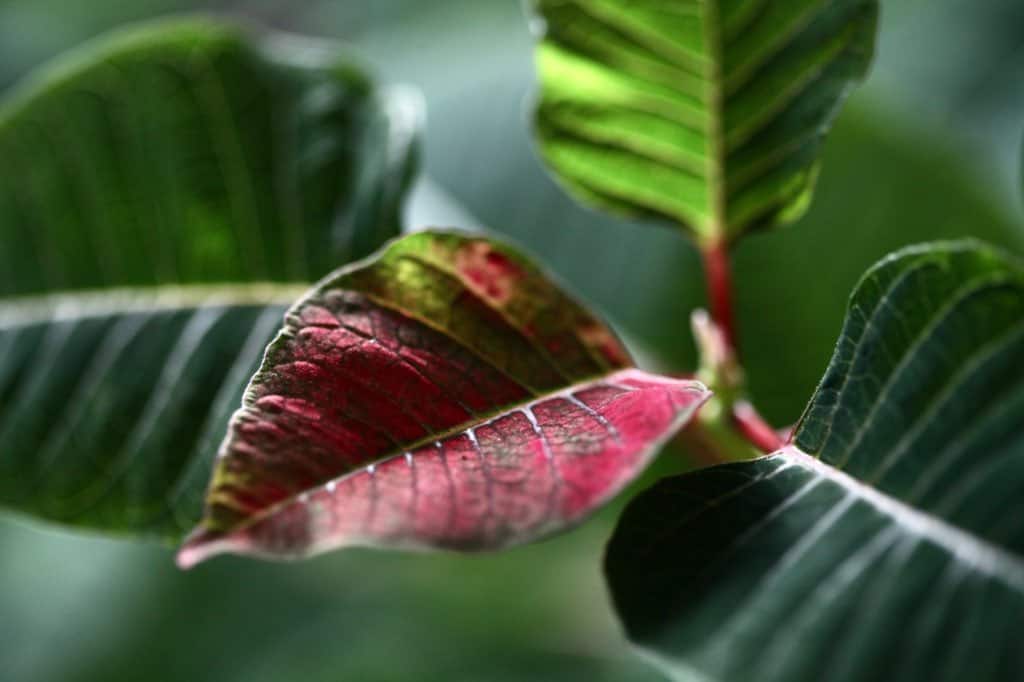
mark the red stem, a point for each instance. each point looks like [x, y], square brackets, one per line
[755, 429]
[718, 272]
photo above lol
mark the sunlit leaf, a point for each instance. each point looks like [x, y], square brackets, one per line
[443, 394]
[703, 113]
[887, 541]
[164, 195]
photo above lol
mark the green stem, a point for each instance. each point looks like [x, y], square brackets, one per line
[727, 428]
[712, 437]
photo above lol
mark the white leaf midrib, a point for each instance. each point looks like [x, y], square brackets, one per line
[55, 307]
[976, 552]
[615, 379]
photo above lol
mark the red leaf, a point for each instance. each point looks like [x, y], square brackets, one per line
[444, 394]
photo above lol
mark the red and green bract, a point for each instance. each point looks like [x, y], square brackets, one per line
[443, 394]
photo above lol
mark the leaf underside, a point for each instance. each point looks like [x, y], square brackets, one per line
[165, 192]
[887, 542]
[444, 394]
[706, 114]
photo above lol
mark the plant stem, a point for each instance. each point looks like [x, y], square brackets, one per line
[728, 427]
[754, 428]
[718, 274]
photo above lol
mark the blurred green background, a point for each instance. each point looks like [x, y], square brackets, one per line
[928, 148]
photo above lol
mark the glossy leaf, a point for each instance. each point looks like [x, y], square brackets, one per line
[443, 394]
[706, 114]
[887, 541]
[165, 193]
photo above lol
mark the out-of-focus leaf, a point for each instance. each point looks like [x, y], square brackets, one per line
[188, 152]
[887, 541]
[442, 394]
[163, 194]
[112, 405]
[707, 115]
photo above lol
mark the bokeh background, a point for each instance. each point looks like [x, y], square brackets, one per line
[929, 148]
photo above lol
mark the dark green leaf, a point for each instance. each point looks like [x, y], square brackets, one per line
[707, 114]
[188, 152]
[887, 542]
[165, 194]
[112, 406]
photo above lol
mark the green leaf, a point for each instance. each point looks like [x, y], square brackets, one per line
[706, 114]
[189, 152]
[887, 541]
[166, 193]
[442, 394]
[113, 404]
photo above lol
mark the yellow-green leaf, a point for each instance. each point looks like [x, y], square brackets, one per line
[707, 114]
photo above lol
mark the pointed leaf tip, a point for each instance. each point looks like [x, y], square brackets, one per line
[444, 394]
[203, 544]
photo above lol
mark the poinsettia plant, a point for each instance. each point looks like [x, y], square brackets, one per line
[234, 350]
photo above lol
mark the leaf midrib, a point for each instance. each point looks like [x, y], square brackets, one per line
[476, 421]
[43, 308]
[981, 554]
[715, 95]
